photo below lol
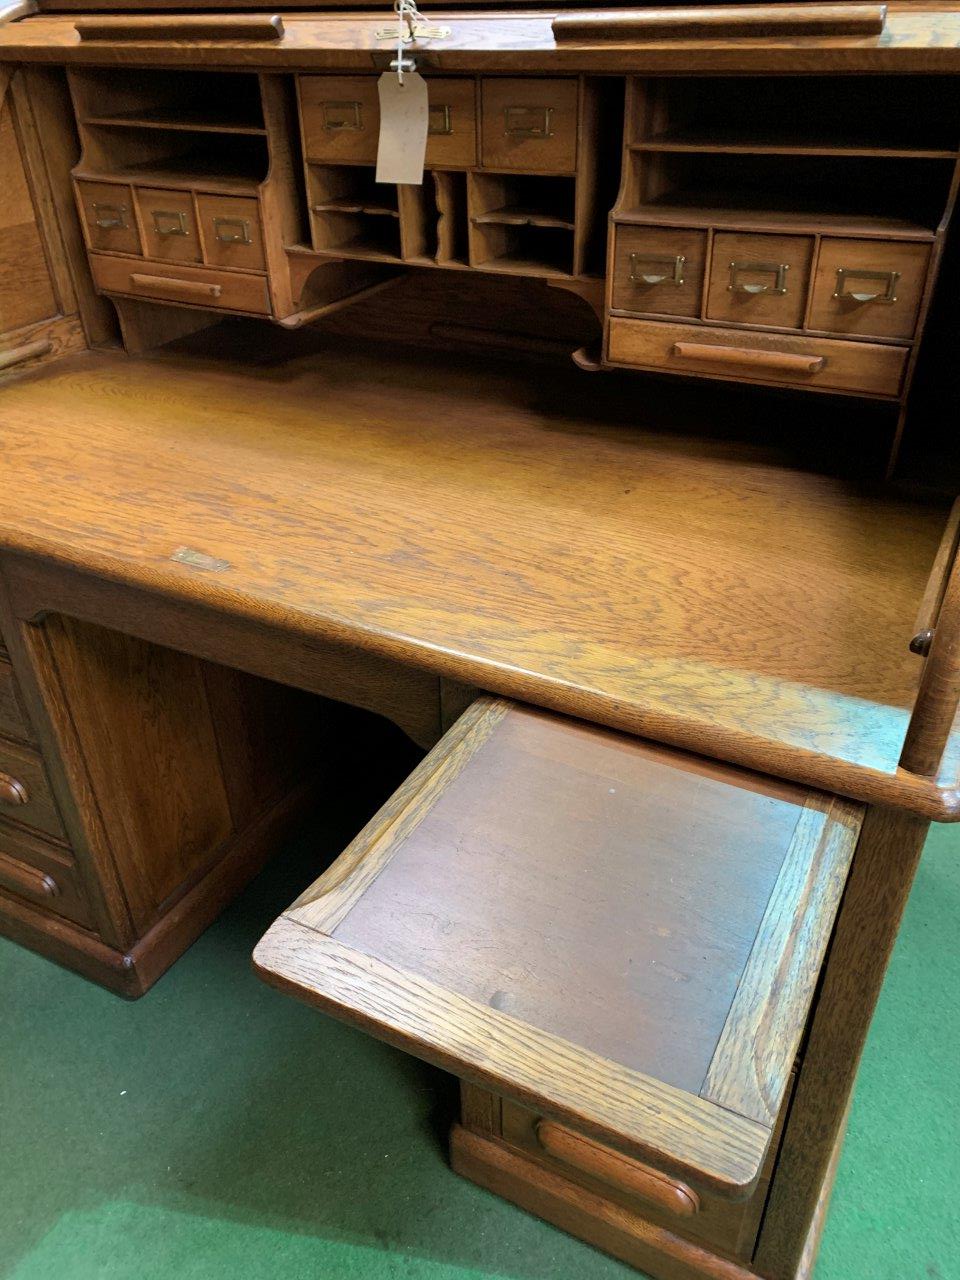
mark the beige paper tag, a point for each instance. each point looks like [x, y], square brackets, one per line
[404, 117]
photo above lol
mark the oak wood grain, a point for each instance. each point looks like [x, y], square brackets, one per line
[685, 548]
[761, 1036]
[882, 872]
[534, 848]
[916, 38]
[645, 1117]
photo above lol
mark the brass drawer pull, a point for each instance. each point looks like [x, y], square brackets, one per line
[674, 276]
[170, 222]
[12, 790]
[889, 294]
[439, 119]
[599, 1161]
[777, 269]
[111, 217]
[232, 230]
[749, 357]
[527, 122]
[338, 116]
[188, 290]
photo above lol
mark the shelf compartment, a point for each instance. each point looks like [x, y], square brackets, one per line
[189, 101]
[231, 166]
[522, 200]
[350, 189]
[525, 250]
[351, 213]
[868, 197]
[522, 223]
[801, 116]
[433, 220]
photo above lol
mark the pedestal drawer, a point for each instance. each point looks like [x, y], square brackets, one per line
[42, 874]
[667, 1201]
[25, 795]
[748, 356]
[193, 286]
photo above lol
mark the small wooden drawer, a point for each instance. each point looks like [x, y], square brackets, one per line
[231, 231]
[169, 225]
[529, 125]
[13, 722]
[730, 1225]
[452, 124]
[798, 361]
[25, 795]
[340, 117]
[192, 286]
[108, 217]
[871, 288]
[759, 279]
[659, 270]
[44, 874]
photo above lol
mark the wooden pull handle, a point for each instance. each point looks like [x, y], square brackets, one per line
[633, 25]
[29, 351]
[27, 880]
[619, 1170]
[12, 790]
[748, 357]
[185, 290]
[241, 26]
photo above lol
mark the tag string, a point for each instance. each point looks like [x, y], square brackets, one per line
[408, 18]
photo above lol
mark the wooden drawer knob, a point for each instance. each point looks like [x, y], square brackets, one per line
[30, 881]
[171, 287]
[611, 1166]
[12, 791]
[749, 358]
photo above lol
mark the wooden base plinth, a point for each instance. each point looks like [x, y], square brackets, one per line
[608, 1226]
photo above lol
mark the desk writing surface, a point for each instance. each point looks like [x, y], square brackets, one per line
[507, 526]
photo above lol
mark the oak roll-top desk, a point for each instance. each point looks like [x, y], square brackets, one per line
[276, 438]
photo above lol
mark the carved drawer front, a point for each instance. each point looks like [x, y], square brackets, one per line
[41, 873]
[871, 288]
[341, 118]
[747, 356]
[656, 1195]
[759, 279]
[452, 124]
[13, 722]
[25, 795]
[108, 216]
[232, 236]
[169, 225]
[659, 270]
[191, 286]
[529, 125]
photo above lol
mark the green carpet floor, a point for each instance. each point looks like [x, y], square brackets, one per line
[218, 1129]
